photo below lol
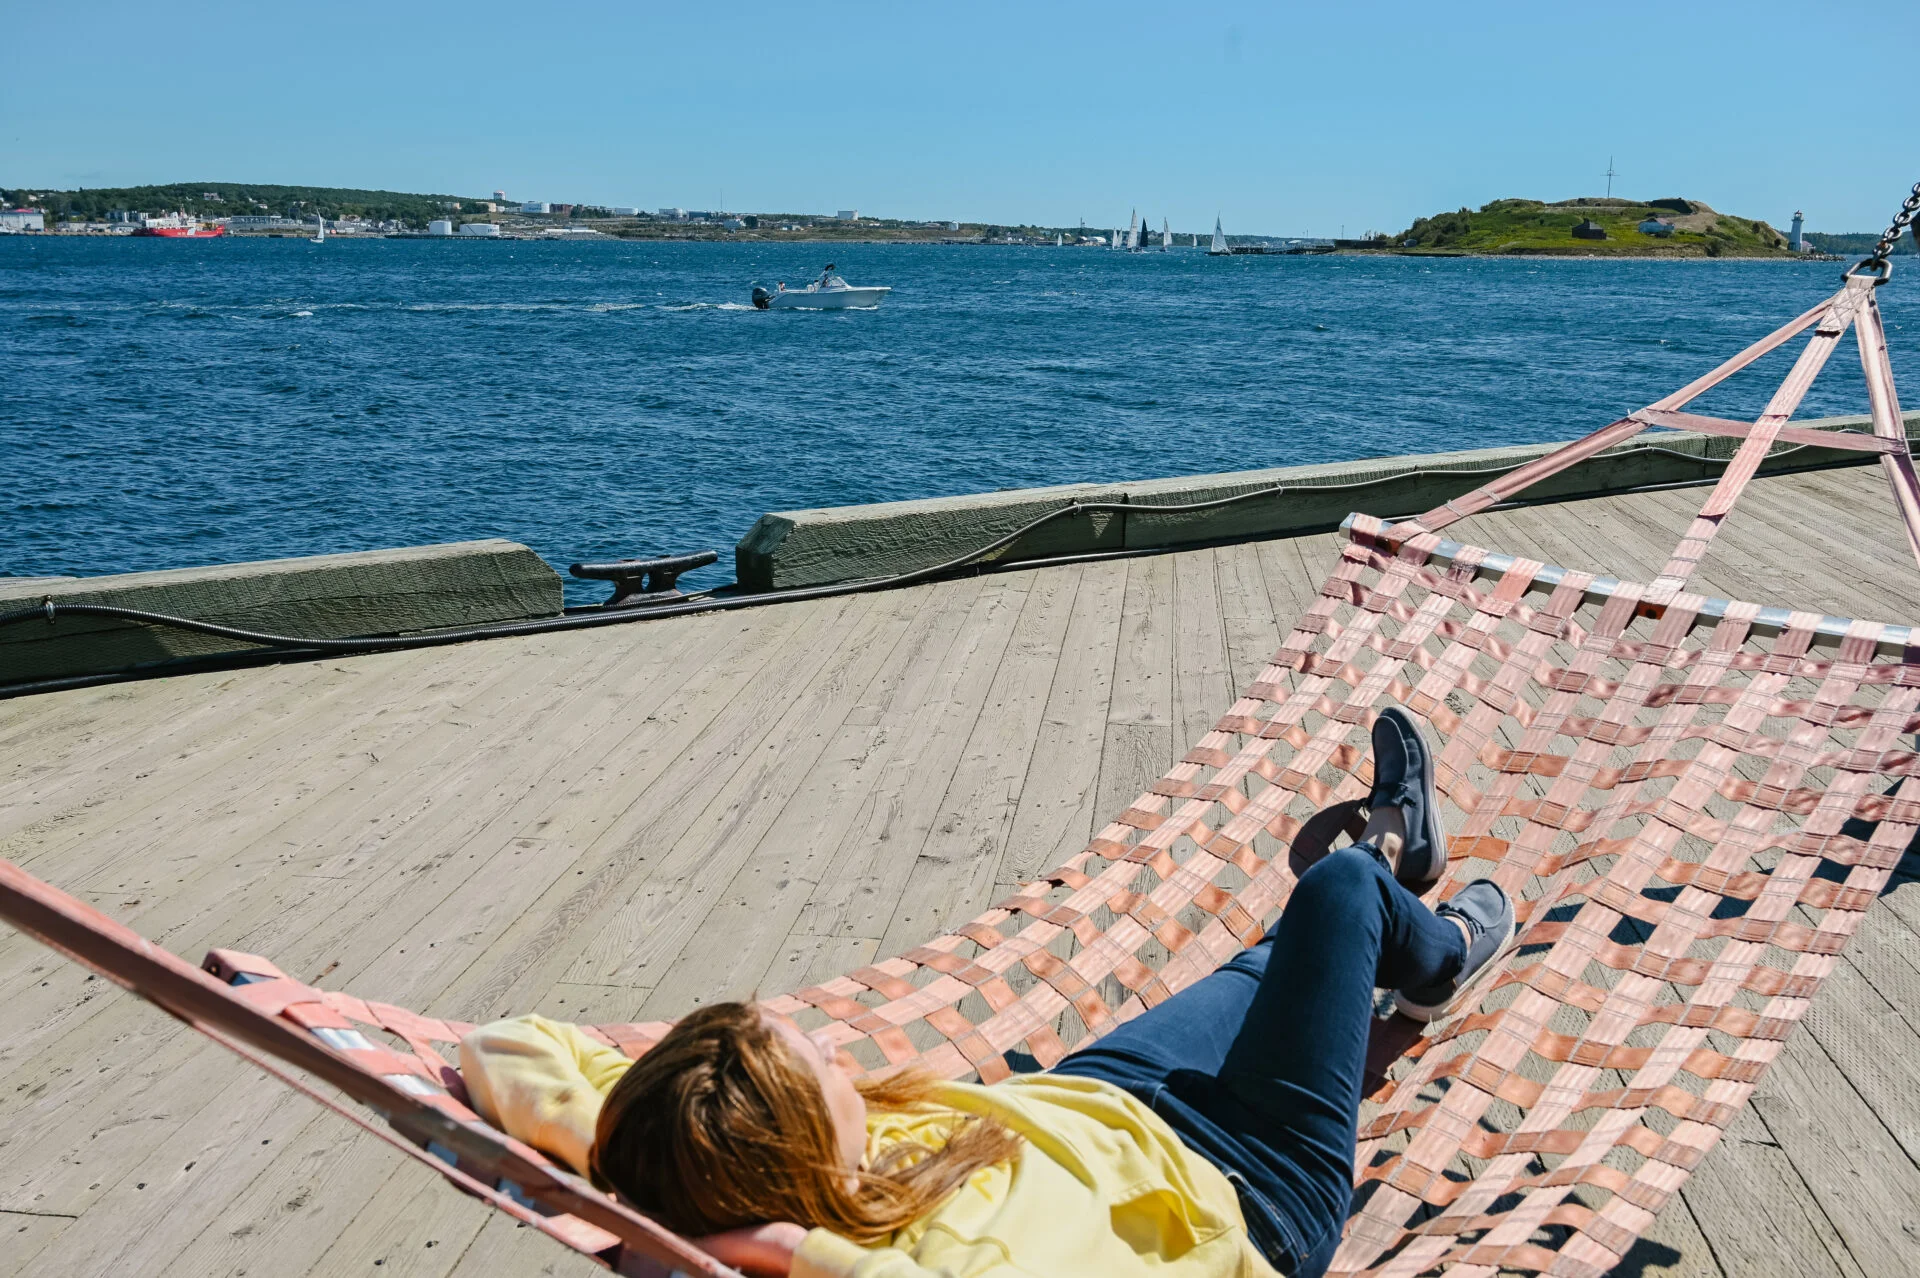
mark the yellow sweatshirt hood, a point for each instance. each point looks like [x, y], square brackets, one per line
[1102, 1187]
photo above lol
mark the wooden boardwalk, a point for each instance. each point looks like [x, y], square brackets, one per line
[622, 823]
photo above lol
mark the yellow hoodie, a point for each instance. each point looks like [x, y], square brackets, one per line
[1102, 1188]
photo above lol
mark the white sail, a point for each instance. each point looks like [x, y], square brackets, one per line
[1059, 240]
[1219, 244]
[1119, 240]
[1133, 231]
[1166, 236]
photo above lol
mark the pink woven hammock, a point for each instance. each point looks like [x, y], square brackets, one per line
[1691, 800]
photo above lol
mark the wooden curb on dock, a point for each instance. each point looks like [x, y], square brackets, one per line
[376, 592]
[796, 548]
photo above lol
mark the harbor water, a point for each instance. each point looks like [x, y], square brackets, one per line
[168, 403]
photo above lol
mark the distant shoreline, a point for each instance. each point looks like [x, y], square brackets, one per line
[892, 241]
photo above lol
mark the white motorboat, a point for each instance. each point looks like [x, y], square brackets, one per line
[828, 293]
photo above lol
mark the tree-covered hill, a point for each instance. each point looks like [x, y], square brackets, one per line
[1858, 243]
[225, 199]
[1532, 226]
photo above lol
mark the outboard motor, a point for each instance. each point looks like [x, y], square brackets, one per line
[761, 298]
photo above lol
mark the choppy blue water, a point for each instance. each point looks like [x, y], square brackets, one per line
[165, 402]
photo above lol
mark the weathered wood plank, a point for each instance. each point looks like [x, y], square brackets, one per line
[1057, 799]
[414, 1227]
[27, 1238]
[653, 779]
[505, 1246]
[1755, 1213]
[1854, 1170]
[1202, 677]
[959, 860]
[746, 925]
[662, 916]
[899, 868]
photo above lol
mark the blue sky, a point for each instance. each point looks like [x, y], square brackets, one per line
[1281, 118]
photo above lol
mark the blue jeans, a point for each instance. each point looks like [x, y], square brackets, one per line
[1262, 1076]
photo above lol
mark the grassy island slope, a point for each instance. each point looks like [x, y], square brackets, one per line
[1534, 227]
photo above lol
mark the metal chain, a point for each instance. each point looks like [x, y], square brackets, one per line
[1880, 260]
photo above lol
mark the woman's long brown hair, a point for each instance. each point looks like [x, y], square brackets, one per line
[720, 1125]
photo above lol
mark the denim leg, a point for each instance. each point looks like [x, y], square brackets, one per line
[1262, 1076]
[1290, 1084]
[1189, 1033]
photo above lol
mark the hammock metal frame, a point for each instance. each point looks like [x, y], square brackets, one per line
[1678, 792]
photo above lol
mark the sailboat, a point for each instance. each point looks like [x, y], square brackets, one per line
[1133, 232]
[320, 233]
[1219, 246]
[1059, 240]
[1166, 236]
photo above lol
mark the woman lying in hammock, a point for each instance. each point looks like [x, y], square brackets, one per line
[1211, 1135]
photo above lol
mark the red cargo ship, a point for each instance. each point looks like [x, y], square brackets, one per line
[178, 226]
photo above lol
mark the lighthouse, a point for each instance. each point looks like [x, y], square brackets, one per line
[1794, 241]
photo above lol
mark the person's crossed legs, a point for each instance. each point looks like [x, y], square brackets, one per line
[1259, 1065]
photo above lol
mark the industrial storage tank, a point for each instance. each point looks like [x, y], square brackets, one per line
[440, 226]
[479, 228]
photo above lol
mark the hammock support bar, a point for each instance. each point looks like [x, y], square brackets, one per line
[1769, 620]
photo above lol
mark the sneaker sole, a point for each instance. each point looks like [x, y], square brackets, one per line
[1427, 1014]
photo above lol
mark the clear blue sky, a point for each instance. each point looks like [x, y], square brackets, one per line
[1282, 118]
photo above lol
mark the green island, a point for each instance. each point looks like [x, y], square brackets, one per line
[1596, 226]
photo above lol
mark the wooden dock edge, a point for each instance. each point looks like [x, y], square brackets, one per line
[376, 592]
[795, 548]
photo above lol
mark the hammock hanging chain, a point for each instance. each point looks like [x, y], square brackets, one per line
[1882, 261]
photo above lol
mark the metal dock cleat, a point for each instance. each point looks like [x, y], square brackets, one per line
[644, 581]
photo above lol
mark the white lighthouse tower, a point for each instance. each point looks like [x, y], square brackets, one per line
[1794, 240]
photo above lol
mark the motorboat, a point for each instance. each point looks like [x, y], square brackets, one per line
[828, 293]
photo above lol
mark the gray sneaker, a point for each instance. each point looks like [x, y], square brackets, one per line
[1488, 914]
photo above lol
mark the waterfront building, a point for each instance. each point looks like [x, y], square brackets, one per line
[1655, 226]
[13, 221]
[1588, 229]
[673, 215]
[536, 206]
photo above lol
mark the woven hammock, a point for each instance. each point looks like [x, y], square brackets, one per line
[1688, 799]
